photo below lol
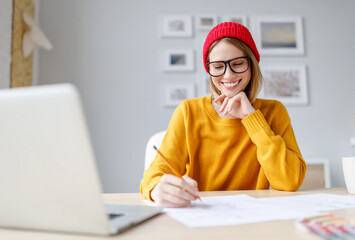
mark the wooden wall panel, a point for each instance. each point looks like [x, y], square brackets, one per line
[21, 68]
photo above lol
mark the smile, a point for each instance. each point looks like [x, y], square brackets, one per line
[231, 84]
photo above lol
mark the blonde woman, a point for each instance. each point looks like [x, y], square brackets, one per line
[229, 140]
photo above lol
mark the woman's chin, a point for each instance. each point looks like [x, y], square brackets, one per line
[230, 93]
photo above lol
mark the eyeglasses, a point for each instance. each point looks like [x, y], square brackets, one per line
[237, 65]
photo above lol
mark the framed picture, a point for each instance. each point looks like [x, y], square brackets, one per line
[287, 84]
[179, 60]
[176, 93]
[235, 18]
[206, 22]
[177, 26]
[280, 35]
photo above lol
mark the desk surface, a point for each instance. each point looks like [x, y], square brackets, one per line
[164, 227]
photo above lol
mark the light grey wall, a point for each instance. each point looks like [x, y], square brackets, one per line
[5, 42]
[111, 50]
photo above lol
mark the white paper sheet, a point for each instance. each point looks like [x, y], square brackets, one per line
[238, 209]
[322, 202]
[229, 210]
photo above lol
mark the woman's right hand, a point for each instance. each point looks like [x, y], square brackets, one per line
[173, 191]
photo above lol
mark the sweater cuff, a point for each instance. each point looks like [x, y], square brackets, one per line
[148, 189]
[254, 122]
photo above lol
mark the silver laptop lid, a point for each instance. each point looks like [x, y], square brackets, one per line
[48, 177]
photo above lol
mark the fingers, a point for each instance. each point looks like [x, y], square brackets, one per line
[173, 191]
[191, 185]
[233, 103]
[224, 104]
[187, 186]
[239, 106]
[163, 198]
[219, 99]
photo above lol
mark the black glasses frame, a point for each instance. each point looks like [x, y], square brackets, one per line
[225, 66]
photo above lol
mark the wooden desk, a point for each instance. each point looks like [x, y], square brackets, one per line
[164, 227]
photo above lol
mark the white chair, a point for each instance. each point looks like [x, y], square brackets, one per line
[317, 175]
[150, 152]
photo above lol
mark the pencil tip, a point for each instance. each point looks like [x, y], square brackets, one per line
[155, 147]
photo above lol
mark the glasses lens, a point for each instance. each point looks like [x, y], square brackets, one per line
[239, 65]
[216, 68]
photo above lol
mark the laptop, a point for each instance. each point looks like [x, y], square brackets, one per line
[48, 177]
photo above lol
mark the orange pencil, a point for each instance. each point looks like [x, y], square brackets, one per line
[172, 168]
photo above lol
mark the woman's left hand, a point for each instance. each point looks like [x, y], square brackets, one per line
[237, 106]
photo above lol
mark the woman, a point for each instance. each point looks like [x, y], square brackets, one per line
[229, 140]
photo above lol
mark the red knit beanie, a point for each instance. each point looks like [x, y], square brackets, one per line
[229, 29]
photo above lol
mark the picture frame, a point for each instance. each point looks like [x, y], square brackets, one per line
[176, 93]
[280, 35]
[179, 60]
[177, 26]
[287, 84]
[242, 19]
[206, 22]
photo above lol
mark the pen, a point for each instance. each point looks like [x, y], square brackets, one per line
[172, 168]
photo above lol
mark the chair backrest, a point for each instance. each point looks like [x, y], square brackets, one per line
[317, 175]
[150, 153]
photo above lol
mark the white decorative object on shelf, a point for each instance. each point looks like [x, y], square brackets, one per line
[33, 37]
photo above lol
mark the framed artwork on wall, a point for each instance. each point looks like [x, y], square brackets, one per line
[176, 93]
[206, 22]
[177, 26]
[287, 84]
[279, 35]
[234, 18]
[179, 60]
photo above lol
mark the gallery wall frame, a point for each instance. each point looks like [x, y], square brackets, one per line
[242, 19]
[175, 93]
[279, 35]
[206, 22]
[177, 60]
[287, 84]
[177, 26]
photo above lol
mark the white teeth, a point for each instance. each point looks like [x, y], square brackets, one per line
[231, 84]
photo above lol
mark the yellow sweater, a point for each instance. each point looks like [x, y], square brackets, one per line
[227, 153]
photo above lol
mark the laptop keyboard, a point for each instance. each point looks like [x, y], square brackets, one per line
[112, 215]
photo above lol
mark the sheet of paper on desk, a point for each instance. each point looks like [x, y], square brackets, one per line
[321, 202]
[229, 210]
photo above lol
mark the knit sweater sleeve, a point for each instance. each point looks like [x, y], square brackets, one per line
[277, 149]
[173, 147]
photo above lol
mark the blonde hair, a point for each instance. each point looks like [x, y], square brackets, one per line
[254, 86]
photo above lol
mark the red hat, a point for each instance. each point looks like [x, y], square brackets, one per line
[229, 29]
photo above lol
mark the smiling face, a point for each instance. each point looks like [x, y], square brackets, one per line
[230, 83]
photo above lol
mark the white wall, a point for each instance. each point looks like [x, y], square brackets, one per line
[110, 50]
[5, 42]
[35, 64]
